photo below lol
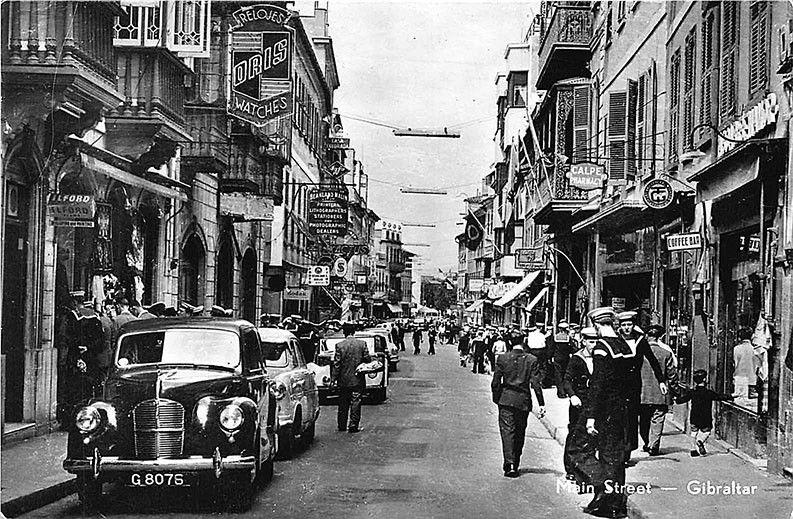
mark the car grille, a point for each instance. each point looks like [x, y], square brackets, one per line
[159, 429]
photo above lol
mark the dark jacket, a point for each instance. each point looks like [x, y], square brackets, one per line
[576, 378]
[464, 344]
[349, 354]
[651, 392]
[515, 376]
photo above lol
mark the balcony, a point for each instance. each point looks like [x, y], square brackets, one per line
[564, 47]
[505, 268]
[555, 198]
[66, 45]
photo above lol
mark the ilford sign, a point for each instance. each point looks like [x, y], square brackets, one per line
[261, 64]
[750, 124]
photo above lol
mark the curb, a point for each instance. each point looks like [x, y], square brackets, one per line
[560, 434]
[39, 498]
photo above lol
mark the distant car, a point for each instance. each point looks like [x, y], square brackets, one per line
[376, 383]
[392, 350]
[187, 401]
[294, 388]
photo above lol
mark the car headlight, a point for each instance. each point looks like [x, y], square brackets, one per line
[231, 417]
[87, 419]
[279, 390]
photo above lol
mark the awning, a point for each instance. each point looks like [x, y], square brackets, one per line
[395, 309]
[476, 305]
[616, 216]
[518, 289]
[537, 299]
[117, 167]
[378, 295]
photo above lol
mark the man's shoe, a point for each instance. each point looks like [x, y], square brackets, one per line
[655, 451]
[342, 429]
[694, 453]
[570, 477]
[354, 429]
[701, 448]
[646, 448]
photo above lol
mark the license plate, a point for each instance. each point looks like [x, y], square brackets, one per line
[161, 479]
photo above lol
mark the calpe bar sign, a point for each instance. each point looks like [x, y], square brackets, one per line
[688, 241]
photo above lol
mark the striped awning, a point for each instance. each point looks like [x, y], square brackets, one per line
[518, 289]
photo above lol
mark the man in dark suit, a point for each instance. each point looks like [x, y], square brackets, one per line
[516, 373]
[350, 353]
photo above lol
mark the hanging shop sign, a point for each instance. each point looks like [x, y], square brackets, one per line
[476, 284]
[586, 176]
[72, 210]
[686, 241]
[529, 259]
[260, 81]
[750, 124]
[658, 194]
[297, 293]
[328, 210]
[340, 267]
[318, 276]
[338, 143]
[361, 279]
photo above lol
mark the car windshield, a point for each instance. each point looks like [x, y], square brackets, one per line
[211, 348]
[333, 341]
[275, 354]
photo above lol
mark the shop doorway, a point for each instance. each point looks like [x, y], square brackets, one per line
[225, 273]
[248, 288]
[629, 292]
[15, 281]
[191, 275]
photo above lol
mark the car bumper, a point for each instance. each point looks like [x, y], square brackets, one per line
[98, 465]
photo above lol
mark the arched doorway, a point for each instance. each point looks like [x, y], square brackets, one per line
[248, 288]
[15, 287]
[191, 271]
[224, 267]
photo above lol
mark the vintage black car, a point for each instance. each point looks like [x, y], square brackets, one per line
[187, 401]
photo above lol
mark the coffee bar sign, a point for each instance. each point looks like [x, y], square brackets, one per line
[750, 124]
[261, 64]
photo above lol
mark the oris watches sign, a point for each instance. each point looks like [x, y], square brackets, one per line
[260, 80]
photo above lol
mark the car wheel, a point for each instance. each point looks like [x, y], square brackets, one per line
[286, 442]
[89, 491]
[309, 433]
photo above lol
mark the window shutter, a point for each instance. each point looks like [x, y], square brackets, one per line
[674, 104]
[729, 61]
[188, 28]
[141, 26]
[707, 73]
[617, 129]
[641, 121]
[630, 130]
[581, 123]
[688, 88]
[758, 47]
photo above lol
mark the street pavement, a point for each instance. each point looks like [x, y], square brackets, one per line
[432, 450]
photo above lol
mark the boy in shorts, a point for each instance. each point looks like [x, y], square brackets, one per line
[701, 413]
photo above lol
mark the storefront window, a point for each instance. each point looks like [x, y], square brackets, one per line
[744, 362]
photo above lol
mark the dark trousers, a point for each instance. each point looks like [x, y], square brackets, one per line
[631, 433]
[432, 347]
[611, 453]
[416, 348]
[349, 403]
[491, 358]
[479, 363]
[401, 343]
[579, 449]
[559, 367]
[651, 424]
[512, 424]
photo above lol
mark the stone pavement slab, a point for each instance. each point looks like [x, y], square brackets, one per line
[721, 485]
[32, 473]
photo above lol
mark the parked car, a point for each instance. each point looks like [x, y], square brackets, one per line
[187, 402]
[376, 383]
[392, 350]
[294, 388]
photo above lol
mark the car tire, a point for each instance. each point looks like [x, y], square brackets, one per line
[309, 433]
[89, 491]
[286, 442]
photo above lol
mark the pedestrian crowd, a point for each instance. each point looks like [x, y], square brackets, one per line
[619, 381]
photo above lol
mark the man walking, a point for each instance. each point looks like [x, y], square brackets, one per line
[463, 347]
[562, 349]
[416, 341]
[350, 353]
[514, 377]
[479, 345]
[654, 404]
[431, 337]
